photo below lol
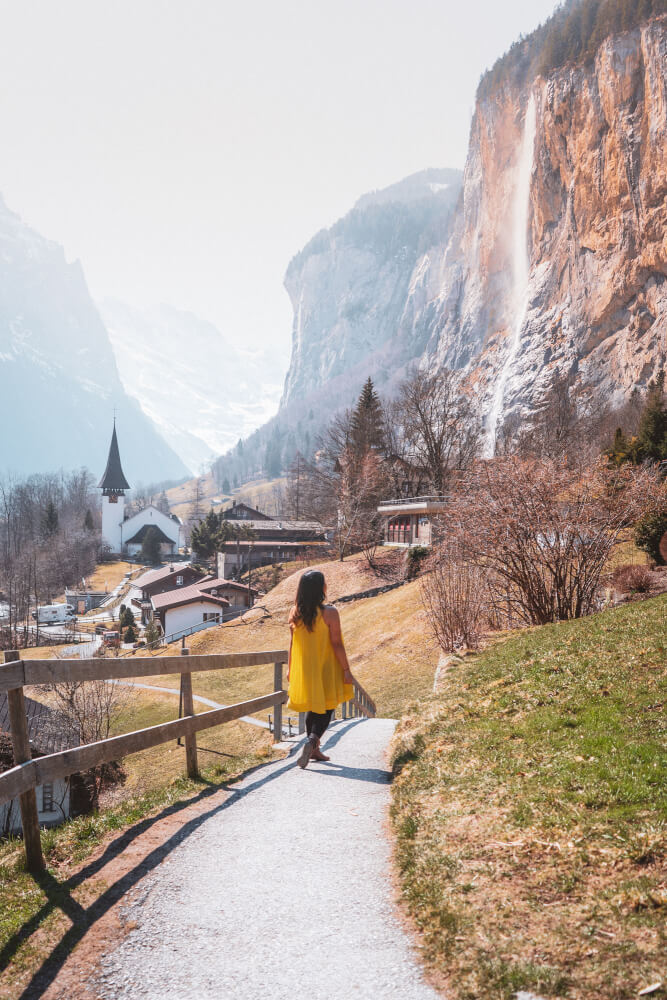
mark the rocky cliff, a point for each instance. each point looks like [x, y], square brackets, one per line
[60, 383]
[555, 258]
[592, 298]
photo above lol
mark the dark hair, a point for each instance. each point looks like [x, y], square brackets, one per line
[309, 597]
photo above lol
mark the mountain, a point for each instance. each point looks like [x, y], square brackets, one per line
[202, 390]
[548, 256]
[60, 383]
[558, 257]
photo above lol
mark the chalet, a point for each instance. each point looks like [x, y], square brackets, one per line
[49, 732]
[408, 521]
[165, 579]
[266, 540]
[240, 595]
[182, 612]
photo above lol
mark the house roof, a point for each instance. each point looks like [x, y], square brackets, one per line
[185, 595]
[48, 730]
[114, 479]
[156, 575]
[139, 536]
[271, 543]
[218, 583]
[231, 513]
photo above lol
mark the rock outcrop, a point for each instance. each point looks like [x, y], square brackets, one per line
[557, 262]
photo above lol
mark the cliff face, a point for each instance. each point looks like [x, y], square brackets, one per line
[349, 286]
[593, 301]
[555, 258]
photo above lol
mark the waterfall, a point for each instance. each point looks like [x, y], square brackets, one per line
[520, 271]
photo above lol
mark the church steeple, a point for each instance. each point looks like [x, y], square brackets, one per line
[113, 483]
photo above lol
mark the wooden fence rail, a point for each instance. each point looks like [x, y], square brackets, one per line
[29, 773]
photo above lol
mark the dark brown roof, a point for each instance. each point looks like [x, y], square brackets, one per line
[113, 479]
[48, 729]
[185, 595]
[232, 513]
[163, 573]
[218, 583]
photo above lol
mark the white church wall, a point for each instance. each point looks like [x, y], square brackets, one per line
[152, 516]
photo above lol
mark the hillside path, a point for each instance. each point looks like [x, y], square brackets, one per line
[284, 890]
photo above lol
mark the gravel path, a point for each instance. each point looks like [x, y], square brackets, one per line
[284, 890]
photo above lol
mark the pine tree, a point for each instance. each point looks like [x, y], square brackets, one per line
[130, 634]
[652, 435]
[163, 503]
[226, 488]
[50, 520]
[88, 522]
[367, 425]
[150, 547]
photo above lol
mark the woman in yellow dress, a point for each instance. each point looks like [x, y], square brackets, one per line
[318, 673]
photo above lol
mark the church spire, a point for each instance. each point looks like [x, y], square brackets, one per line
[113, 483]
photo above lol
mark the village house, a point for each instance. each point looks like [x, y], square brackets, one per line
[123, 534]
[268, 540]
[188, 610]
[172, 577]
[49, 733]
[408, 519]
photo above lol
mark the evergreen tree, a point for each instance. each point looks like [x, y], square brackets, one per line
[50, 520]
[163, 503]
[150, 547]
[367, 425]
[226, 488]
[126, 618]
[88, 521]
[652, 435]
[130, 634]
[649, 532]
[152, 631]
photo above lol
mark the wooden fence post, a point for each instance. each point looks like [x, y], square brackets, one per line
[278, 707]
[189, 709]
[21, 746]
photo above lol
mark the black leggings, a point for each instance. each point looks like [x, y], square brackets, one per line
[316, 723]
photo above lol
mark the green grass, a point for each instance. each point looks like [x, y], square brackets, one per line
[530, 807]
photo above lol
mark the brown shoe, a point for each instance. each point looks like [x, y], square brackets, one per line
[307, 752]
[317, 753]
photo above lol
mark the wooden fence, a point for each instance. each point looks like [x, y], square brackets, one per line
[28, 774]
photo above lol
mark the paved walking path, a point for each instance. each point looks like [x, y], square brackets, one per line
[284, 890]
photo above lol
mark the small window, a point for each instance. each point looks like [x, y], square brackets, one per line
[211, 616]
[179, 581]
[47, 797]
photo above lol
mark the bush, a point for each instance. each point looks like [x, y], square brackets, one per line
[454, 594]
[630, 579]
[130, 634]
[416, 556]
[648, 534]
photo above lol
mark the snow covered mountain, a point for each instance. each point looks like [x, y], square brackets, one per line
[202, 390]
[60, 382]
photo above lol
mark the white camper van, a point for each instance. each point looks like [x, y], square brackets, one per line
[54, 614]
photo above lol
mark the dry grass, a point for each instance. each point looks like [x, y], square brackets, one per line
[530, 812]
[107, 576]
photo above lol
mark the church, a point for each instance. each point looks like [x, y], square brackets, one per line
[124, 535]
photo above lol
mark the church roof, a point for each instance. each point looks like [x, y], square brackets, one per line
[113, 478]
[137, 539]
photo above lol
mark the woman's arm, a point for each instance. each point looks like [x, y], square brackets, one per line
[332, 618]
[292, 626]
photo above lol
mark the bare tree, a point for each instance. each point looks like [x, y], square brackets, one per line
[541, 533]
[453, 591]
[441, 423]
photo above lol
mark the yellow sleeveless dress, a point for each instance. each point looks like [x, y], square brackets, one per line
[316, 678]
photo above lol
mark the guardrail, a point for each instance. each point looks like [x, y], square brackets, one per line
[28, 773]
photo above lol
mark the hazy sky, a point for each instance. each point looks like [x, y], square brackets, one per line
[185, 151]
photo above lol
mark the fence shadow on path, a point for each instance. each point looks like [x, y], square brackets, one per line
[59, 893]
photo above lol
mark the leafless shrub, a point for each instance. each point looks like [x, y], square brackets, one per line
[541, 533]
[453, 590]
[631, 578]
[90, 709]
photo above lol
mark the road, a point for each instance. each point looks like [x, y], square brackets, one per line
[283, 889]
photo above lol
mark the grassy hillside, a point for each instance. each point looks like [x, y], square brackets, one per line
[530, 805]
